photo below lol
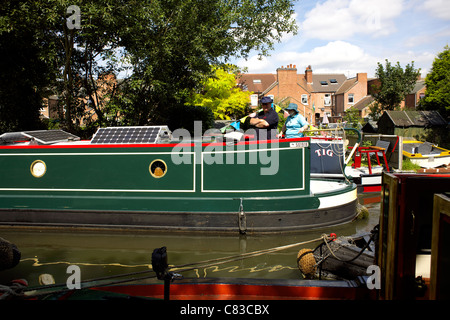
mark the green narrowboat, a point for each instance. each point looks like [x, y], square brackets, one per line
[145, 178]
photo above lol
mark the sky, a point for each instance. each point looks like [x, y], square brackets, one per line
[351, 36]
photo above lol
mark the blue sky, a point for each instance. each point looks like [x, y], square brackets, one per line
[350, 36]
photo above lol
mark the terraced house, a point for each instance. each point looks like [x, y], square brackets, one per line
[315, 94]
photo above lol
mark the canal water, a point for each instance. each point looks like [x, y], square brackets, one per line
[101, 254]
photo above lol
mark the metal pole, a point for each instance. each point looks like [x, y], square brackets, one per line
[166, 288]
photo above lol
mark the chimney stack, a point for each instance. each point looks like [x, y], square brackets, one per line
[361, 77]
[308, 74]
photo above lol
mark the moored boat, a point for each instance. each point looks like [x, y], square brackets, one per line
[146, 178]
[329, 160]
[425, 154]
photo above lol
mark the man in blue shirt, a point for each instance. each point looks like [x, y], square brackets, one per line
[295, 123]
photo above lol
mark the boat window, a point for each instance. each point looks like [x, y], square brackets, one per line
[158, 168]
[38, 168]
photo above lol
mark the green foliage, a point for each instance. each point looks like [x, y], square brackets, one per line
[375, 111]
[168, 48]
[24, 74]
[409, 166]
[395, 84]
[351, 116]
[439, 136]
[222, 96]
[22, 81]
[437, 95]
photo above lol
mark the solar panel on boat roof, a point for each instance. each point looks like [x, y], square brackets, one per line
[50, 136]
[126, 135]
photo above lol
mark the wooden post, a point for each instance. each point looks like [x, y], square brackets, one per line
[439, 248]
[400, 152]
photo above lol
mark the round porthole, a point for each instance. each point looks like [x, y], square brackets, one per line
[38, 168]
[158, 168]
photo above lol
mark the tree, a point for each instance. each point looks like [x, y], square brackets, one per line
[395, 84]
[352, 117]
[67, 57]
[169, 47]
[222, 96]
[24, 75]
[437, 95]
[22, 79]
[174, 45]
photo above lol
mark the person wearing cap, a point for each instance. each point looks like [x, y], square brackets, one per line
[295, 123]
[265, 121]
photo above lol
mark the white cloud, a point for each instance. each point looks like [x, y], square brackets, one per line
[256, 65]
[338, 57]
[422, 60]
[334, 57]
[342, 19]
[438, 8]
[350, 29]
[427, 38]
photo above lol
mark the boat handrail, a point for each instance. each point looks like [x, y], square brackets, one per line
[355, 147]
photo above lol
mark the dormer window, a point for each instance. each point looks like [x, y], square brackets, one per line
[324, 83]
[333, 81]
[256, 81]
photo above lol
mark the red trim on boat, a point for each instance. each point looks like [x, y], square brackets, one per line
[238, 292]
[163, 145]
[372, 188]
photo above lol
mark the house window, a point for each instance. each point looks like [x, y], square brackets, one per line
[324, 83]
[351, 98]
[256, 81]
[327, 100]
[304, 98]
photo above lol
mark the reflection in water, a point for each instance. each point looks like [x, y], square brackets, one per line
[101, 254]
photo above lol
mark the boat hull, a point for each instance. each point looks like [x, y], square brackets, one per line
[426, 154]
[252, 222]
[430, 161]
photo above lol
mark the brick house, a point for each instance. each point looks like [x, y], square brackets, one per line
[53, 108]
[352, 91]
[413, 98]
[50, 109]
[315, 94]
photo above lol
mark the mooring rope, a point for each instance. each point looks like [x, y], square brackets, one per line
[243, 255]
[195, 265]
[356, 256]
